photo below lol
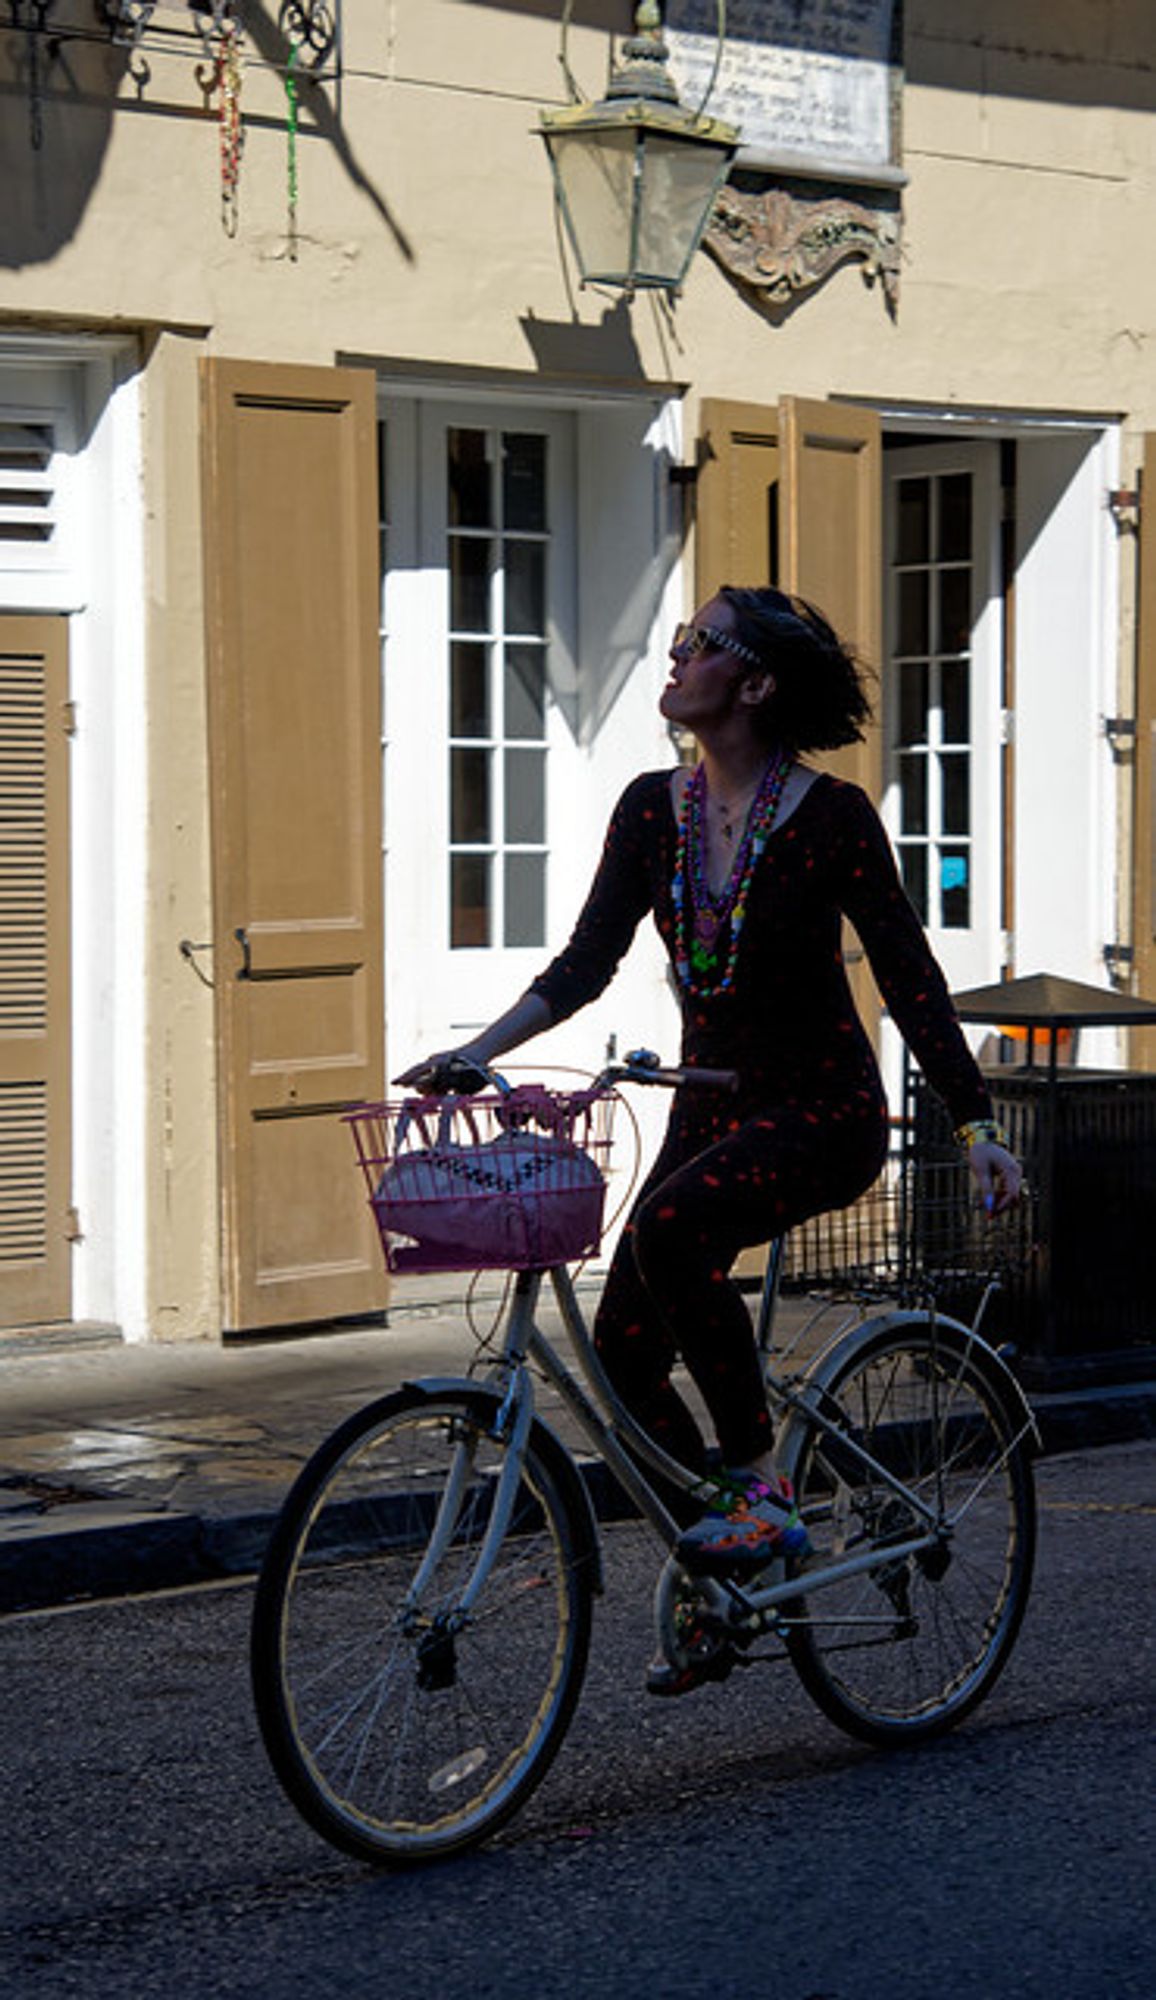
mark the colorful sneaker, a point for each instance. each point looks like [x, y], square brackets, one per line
[748, 1524]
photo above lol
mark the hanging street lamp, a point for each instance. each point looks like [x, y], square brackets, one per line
[636, 174]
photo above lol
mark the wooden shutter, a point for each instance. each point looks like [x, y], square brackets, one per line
[1143, 1041]
[791, 494]
[832, 542]
[737, 510]
[295, 746]
[831, 552]
[35, 1101]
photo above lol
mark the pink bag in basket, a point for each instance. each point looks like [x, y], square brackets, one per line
[520, 1201]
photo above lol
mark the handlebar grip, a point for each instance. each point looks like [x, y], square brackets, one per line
[674, 1079]
[712, 1079]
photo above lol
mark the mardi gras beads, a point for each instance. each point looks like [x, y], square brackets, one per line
[699, 916]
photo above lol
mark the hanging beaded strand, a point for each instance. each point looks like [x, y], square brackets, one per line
[232, 129]
[291, 124]
[699, 916]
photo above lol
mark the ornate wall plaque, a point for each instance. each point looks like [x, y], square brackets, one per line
[816, 88]
[783, 241]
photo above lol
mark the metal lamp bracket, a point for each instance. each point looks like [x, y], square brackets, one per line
[576, 95]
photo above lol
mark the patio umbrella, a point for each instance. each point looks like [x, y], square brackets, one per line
[1045, 1000]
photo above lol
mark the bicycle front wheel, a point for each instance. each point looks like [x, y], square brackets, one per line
[903, 1649]
[401, 1725]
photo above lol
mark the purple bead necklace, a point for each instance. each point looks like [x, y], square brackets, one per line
[700, 916]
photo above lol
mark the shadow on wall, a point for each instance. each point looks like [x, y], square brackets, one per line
[631, 527]
[56, 114]
[58, 98]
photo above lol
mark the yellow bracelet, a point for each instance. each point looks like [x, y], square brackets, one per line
[980, 1132]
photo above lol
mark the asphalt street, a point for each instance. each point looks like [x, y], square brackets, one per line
[732, 1844]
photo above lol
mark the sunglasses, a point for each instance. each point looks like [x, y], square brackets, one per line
[694, 640]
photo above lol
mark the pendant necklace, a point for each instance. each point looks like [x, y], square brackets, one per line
[699, 915]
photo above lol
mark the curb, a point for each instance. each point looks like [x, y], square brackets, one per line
[80, 1553]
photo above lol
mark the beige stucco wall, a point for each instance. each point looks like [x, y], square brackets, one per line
[427, 239]
[427, 229]
[183, 1288]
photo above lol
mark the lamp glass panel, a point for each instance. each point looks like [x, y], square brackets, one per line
[596, 181]
[678, 180]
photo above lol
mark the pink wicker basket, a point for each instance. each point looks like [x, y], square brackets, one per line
[489, 1182]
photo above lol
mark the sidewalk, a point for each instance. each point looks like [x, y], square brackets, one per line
[125, 1469]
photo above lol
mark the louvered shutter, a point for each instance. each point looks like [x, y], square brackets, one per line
[35, 1166]
[27, 490]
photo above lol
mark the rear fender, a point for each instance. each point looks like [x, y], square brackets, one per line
[835, 1360]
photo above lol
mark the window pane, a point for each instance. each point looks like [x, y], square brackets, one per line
[525, 795]
[913, 868]
[468, 471]
[913, 794]
[523, 480]
[469, 585]
[913, 702]
[914, 538]
[954, 610]
[526, 692]
[914, 628]
[955, 888]
[955, 692]
[955, 771]
[470, 795]
[525, 586]
[526, 899]
[955, 518]
[469, 690]
[469, 899]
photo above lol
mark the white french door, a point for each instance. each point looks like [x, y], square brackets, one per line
[942, 697]
[478, 596]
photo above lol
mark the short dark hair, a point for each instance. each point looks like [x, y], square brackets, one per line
[820, 701]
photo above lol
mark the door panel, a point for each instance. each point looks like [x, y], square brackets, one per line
[35, 1083]
[290, 465]
[944, 662]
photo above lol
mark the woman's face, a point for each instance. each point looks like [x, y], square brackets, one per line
[707, 679]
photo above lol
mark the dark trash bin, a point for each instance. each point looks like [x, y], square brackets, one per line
[1083, 1307]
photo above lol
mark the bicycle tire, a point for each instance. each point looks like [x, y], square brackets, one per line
[902, 1652]
[399, 1738]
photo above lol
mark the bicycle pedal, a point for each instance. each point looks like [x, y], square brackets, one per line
[666, 1680]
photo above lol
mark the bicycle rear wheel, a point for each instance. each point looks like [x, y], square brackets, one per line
[401, 1729]
[905, 1649]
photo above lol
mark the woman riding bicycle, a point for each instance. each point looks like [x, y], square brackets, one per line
[748, 865]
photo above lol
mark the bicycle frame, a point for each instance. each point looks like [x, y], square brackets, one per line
[608, 1426]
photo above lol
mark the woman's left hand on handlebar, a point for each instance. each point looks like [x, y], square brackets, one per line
[449, 1069]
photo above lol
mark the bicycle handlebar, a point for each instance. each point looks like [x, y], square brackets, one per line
[459, 1077]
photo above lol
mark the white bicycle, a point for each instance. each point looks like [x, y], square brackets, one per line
[423, 1615]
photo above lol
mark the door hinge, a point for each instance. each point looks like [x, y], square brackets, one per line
[73, 1233]
[68, 717]
[1119, 959]
[1007, 725]
[1124, 506]
[1120, 731]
